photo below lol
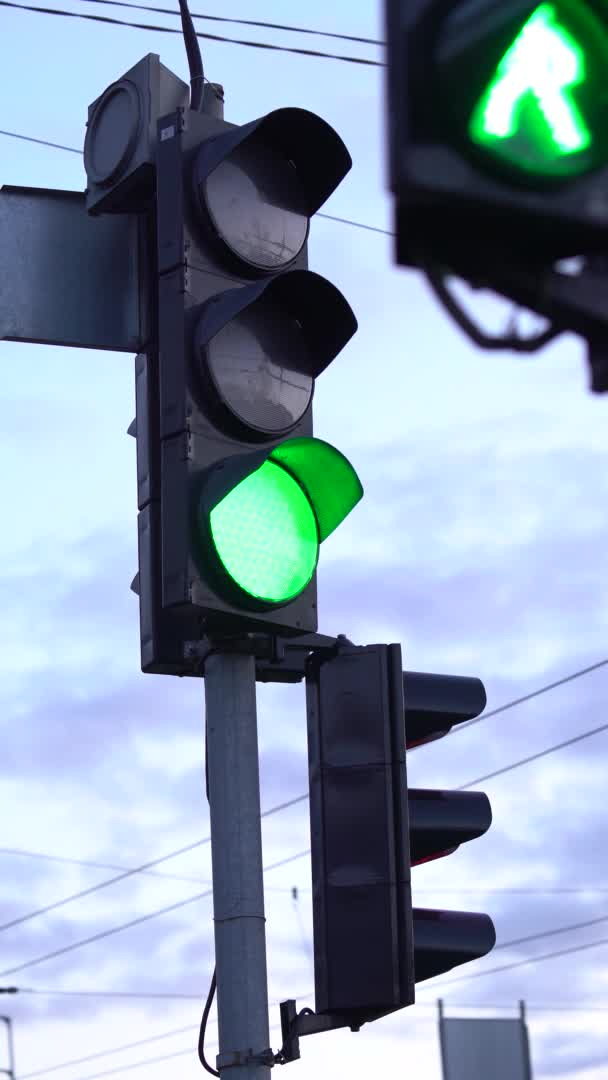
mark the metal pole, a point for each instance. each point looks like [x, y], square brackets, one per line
[11, 1050]
[236, 852]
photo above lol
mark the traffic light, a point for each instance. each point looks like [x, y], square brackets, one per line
[235, 494]
[496, 128]
[368, 829]
[247, 494]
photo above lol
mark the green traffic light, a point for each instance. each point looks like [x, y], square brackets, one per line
[266, 536]
[266, 514]
[537, 111]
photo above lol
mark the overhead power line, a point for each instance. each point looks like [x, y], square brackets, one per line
[265, 813]
[130, 1046]
[499, 772]
[535, 693]
[134, 870]
[243, 22]
[41, 142]
[191, 899]
[518, 963]
[101, 885]
[530, 1006]
[482, 1005]
[579, 890]
[153, 1061]
[199, 33]
[534, 757]
[550, 933]
[133, 922]
[163, 875]
[462, 978]
[106, 866]
[100, 993]
[149, 1061]
[571, 927]
[113, 1050]
[328, 217]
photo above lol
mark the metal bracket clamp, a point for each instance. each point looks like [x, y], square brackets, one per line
[294, 1024]
[278, 659]
[245, 1057]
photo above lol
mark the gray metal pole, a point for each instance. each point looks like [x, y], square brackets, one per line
[11, 1050]
[236, 852]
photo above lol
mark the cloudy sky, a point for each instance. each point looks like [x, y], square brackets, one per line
[479, 546]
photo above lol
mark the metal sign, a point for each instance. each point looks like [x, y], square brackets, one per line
[477, 1049]
[67, 278]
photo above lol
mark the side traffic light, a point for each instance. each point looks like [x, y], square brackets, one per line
[368, 829]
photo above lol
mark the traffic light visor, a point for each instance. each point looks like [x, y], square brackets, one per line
[260, 183]
[268, 513]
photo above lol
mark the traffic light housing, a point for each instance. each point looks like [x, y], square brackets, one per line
[120, 141]
[498, 145]
[368, 829]
[235, 494]
[247, 494]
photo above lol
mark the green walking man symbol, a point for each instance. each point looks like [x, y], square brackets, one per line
[530, 95]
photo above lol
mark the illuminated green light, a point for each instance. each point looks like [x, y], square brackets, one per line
[529, 107]
[266, 536]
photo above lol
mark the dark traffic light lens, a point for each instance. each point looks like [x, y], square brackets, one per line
[258, 365]
[529, 85]
[266, 536]
[258, 206]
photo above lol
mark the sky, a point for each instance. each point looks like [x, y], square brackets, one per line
[478, 546]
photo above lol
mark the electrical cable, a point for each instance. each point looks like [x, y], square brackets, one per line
[84, 892]
[114, 866]
[276, 809]
[556, 1007]
[138, 921]
[151, 1061]
[534, 757]
[291, 802]
[198, 33]
[550, 933]
[528, 697]
[510, 967]
[244, 22]
[211, 994]
[518, 963]
[100, 993]
[195, 60]
[437, 281]
[574, 891]
[504, 945]
[105, 1053]
[203, 1028]
[41, 142]
[134, 870]
[328, 217]
[301, 798]
[107, 866]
